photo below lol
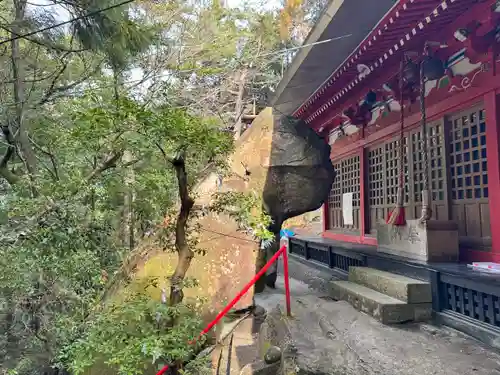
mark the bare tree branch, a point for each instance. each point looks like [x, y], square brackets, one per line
[108, 163]
[54, 170]
[54, 90]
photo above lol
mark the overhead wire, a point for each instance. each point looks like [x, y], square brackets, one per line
[67, 22]
[226, 235]
[125, 2]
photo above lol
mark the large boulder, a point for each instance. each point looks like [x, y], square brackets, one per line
[255, 166]
[285, 162]
[300, 173]
[299, 178]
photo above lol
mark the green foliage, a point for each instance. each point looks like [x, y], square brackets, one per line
[151, 333]
[51, 278]
[58, 249]
[101, 169]
[247, 210]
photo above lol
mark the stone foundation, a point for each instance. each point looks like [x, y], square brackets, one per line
[434, 241]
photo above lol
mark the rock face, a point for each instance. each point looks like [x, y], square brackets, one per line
[231, 255]
[325, 337]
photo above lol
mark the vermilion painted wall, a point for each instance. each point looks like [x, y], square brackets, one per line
[485, 90]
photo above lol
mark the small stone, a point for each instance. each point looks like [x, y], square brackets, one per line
[260, 368]
[272, 355]
[259, 311]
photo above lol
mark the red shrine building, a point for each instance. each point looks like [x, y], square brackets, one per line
[443, 153]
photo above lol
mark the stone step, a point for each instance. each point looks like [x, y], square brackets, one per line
[384, 308]
[400, 287]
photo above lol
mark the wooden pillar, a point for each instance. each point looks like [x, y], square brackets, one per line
[326, 213]
[362, 192]
[492, 109]
[326, 217]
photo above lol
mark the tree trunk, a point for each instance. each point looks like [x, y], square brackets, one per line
[185, 254]
[128, 204]
[21, 132]
[10, 177]
[239, 104]
[127, 218]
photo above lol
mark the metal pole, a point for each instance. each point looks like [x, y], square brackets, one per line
[287, 282]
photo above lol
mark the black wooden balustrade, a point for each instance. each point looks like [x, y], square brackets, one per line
[331, 257]
[466, 300]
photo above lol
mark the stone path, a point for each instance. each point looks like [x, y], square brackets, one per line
[245, 333]
[328, 332]
[333, 335]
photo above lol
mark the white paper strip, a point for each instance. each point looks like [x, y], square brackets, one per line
[347, 209]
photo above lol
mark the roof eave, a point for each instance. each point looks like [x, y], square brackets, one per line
[313, 37]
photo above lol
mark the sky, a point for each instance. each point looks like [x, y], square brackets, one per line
[61, 15]
[267, 5]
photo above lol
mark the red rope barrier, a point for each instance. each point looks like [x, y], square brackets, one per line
[259, 274]
[163, 370]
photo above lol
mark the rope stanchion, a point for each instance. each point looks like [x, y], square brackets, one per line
[287, 281]
[246, 288]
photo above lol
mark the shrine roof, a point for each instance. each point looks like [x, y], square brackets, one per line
[404, 26]
[312, 66]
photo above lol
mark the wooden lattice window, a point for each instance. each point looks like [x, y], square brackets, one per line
[436, 168]
[469, 174]
[376, 177]
[376, 185]
[350, 178]
[468, 166]
[437, 162]
[335, 196]
[383, 175]
[346, 181]
[383, 179]
[418, 166]
[392, 160]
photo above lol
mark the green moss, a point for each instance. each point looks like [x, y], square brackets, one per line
[265, 347]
